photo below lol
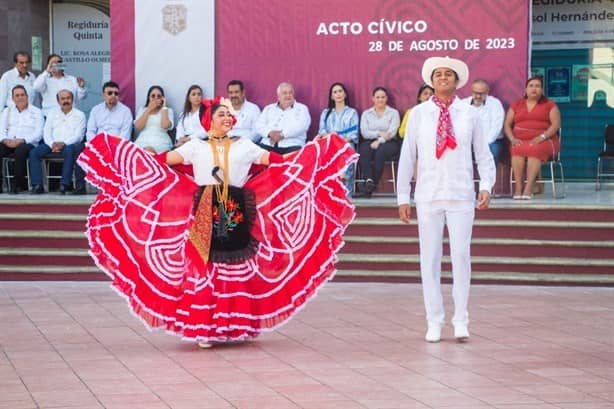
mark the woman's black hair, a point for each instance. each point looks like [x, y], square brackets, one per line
[187, 106]
[379, 89]
[331, 101]
[422, 88]
[150, 90]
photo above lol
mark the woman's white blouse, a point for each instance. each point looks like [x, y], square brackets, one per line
[191, 126]
[243, 153]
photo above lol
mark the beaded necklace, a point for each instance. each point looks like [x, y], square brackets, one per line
[221, 189]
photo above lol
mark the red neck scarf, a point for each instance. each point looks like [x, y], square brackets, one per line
[445, 132]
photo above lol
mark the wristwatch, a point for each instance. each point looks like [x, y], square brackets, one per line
[543, 136]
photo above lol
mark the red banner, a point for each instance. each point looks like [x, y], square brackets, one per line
[362, 44]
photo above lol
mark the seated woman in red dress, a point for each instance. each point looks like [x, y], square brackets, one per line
[532, 125]
[217, 257]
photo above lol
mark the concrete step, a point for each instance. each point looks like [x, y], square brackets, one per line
[544, 265]
[403, 258]
[43, 206]
[43, 221]
[377, 244]
[502, 277]
[38, 256]
[388, 221]
[47, 239]
[533, 243]
[43, 216]
[20, 272]
[515, 212]
[485, 228]
[485, 247]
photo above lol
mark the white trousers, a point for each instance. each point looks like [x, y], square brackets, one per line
[458, 215]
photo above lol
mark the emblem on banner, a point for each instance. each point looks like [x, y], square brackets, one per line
[174, 18]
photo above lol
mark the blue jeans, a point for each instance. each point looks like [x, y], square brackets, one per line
[349, 179]
[36, 167]
[496, 148]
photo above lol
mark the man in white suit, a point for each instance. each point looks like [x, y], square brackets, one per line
[440, 136]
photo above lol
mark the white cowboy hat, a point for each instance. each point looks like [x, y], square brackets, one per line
[459, 67]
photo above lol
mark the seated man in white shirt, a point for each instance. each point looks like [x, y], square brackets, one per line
[247, 113]
[63, 130]
[21, 128]
[491, 115]
[19, 75]
[283, 125]
[110, 116]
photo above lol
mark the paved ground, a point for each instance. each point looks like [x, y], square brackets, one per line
[75, 345]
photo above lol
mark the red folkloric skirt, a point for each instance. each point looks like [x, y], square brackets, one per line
[144, 234]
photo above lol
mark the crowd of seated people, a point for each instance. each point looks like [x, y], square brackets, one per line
[29, 134]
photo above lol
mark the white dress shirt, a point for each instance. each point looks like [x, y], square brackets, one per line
[11, 78]
[491, 116]
[293, 122]
[246, 122]
[451, 176]
[116, 121]
[68, 128]
[190, 126]
[49, 86]
[27, 124]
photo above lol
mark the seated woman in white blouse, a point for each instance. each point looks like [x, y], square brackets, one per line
[153, 122]
[189, 125]
[378, 127]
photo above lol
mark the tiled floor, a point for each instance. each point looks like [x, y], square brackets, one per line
[75, 345]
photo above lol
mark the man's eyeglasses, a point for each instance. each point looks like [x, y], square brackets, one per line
[110, 93]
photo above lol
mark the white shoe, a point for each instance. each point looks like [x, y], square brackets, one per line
[433, 334]
[461, 333]
[204, 345]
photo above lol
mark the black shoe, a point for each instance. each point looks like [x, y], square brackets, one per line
[37, 190]
[79, 191]
[369, 186]
[64, 189]
[15, 190]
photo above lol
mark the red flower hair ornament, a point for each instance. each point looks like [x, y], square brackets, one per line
[208, 103]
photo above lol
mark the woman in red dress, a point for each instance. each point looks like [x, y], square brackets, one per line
[217, 257]
[532, 125]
